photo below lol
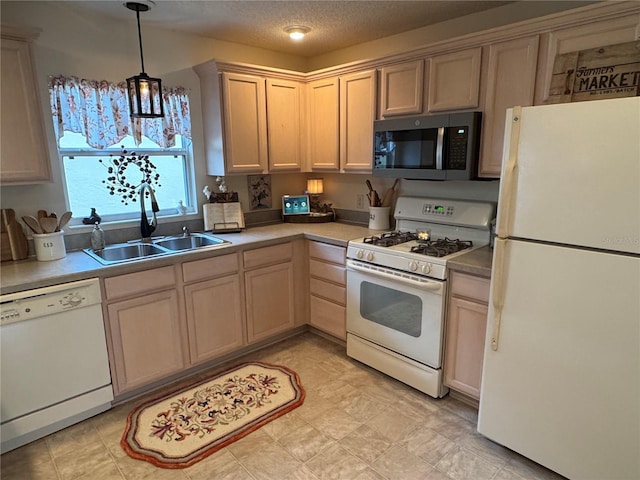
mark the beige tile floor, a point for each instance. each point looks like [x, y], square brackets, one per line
[355, 424]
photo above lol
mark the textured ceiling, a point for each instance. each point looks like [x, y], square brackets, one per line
[334, 24]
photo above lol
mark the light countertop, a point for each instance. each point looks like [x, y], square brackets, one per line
[30, 273]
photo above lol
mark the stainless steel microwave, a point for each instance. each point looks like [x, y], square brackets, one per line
[429, 147]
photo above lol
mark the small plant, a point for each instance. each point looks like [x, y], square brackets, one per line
[126, 166]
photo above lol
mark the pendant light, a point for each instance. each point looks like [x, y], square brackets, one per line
[145, 93]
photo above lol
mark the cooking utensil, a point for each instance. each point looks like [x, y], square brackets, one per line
[64, 219]
[32, 223]
[42, 213]
[48, 224]
[374, 199]
[14, 235]
[388, 195]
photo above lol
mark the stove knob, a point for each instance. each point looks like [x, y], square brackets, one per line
[413, 265]
[370, 256]
[426, 268]
[360, 254]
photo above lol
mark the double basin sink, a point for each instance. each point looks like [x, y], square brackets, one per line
[124, 252]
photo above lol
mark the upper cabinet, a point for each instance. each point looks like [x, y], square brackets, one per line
[245, 123]
[24, 154]
[510, 81]
[324, 124]
[401, 88]
[284, 132]
[454, 80]
[357, 113]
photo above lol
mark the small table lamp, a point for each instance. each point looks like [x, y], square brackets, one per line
[314, 189]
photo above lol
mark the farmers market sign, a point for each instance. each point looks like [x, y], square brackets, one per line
[598, 73]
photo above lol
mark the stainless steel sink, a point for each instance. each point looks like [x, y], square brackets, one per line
[189, 242]
[127, 252]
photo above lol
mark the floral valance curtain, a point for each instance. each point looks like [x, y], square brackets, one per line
[99, 110]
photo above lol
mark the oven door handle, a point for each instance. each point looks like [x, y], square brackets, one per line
[422, 284]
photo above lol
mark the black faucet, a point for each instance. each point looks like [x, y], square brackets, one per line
[146, 228]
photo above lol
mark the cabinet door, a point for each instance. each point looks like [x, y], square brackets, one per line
[214, 317]
[283, 124]
[357, 113]
[401, 88]
[147, 336]
[454, 80]
[23, 153]
[245, 123]
[510, 81]
[269, 300]
[583, 37]
[464, 350]
[324, 131]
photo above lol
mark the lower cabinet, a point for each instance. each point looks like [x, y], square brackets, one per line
[146, 330]
[162, 321]
[327, 288]
[269, 290]
[213, 301]
[465, 333]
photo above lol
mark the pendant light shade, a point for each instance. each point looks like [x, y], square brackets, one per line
[145, 93]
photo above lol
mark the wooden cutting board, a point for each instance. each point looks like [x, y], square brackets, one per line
[14, 244]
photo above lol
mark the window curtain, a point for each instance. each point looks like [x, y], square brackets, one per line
[99, 110]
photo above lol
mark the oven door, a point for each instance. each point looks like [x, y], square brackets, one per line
[396, 310]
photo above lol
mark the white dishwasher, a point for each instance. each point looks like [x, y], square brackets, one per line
[54, 368]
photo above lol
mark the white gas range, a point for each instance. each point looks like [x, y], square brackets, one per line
[396, 287]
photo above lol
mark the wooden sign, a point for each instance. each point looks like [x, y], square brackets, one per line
[605, 72]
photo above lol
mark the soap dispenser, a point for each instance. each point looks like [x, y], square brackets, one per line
[97, 237]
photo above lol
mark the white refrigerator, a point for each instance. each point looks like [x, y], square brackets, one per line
[561, 372]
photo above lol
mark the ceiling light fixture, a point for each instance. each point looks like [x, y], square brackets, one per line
[145, 93]
[297, 32]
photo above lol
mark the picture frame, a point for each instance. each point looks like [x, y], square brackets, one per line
[259, 191]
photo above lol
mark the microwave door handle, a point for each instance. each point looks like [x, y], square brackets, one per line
[435, 287]
[440, 148]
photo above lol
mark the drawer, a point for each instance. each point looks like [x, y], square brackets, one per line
[327, 271]
[329, 253]
[470, 286]
[139, 282]
[328, 317]
[210, 268]
[327, 290]
[267, 255]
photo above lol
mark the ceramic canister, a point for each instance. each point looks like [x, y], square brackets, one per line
[49, 246]
[379, 218]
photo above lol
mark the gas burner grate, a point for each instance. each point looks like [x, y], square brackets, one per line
[389, 239]
[441, 247]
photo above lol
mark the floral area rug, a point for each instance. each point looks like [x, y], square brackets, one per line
[183, 427]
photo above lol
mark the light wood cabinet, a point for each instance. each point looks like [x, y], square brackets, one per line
[23, 154]
[213, 301]
[146, 328]
[357, 113]
[245, 123]
[262, 123]
[284, 131]
[511, 75]
[465, 333]
[324, 124]
[269, 290]
[454, 80]
[327, 288]
[401, 88]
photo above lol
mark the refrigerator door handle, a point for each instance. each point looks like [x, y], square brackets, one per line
[500, 258]
[509, 178]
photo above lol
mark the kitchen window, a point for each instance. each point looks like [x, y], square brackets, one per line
[94, 131]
